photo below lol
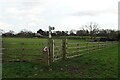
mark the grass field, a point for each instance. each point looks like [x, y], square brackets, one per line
[15, 47]
[97, 64]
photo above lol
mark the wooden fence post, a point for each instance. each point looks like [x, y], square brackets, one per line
[51, 50]
[64, 47]
[46, 57]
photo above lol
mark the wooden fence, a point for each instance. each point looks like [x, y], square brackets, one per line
[85, 47]
[61, 49]
[70, 50]
[22, 52]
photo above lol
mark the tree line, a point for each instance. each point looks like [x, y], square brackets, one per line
[112, 34]
[92, 30]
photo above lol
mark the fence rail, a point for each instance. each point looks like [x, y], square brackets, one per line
[87, 47]
[21, 51]
[56, 50]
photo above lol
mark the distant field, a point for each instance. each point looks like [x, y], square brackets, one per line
[102, 63]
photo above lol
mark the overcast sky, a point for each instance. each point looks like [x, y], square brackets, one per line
[62, 14]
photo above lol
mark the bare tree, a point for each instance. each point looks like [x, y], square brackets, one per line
[93, 29]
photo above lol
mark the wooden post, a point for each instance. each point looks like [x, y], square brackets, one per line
[51, 51]
[64, 47]
[51, 45]
[46, 57]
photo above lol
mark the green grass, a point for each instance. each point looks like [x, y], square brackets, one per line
[15, 47]
[97, 64]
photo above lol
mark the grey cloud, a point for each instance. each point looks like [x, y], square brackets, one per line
[94, 13]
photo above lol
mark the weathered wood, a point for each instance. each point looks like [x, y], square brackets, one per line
[74, 56]
[46, 57]
[73, 47]
[79, 51]
[22, 49]
[64, 47]
[51, 51]
[58, 58]
[73, 43]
